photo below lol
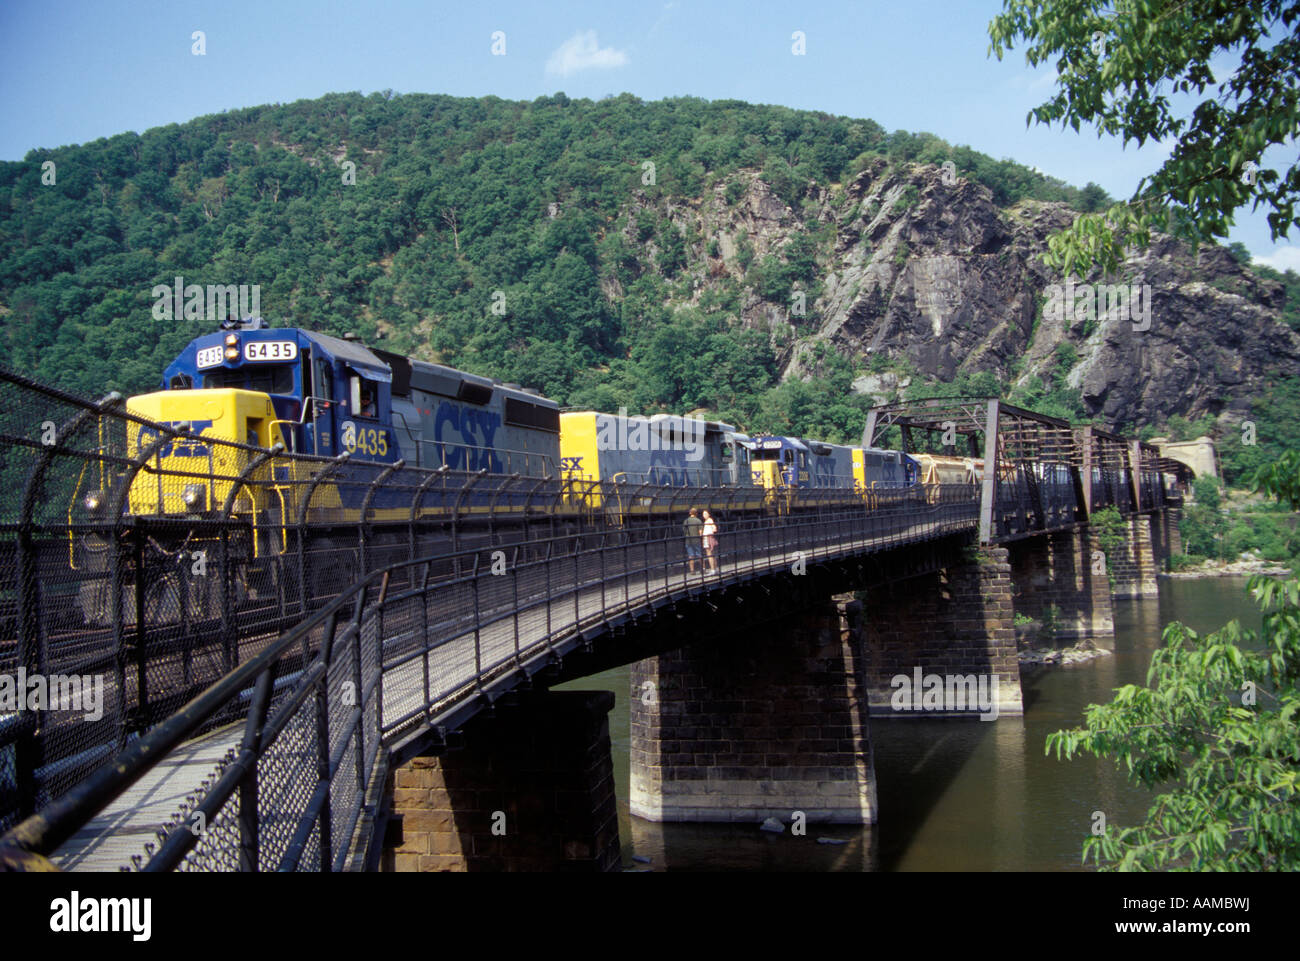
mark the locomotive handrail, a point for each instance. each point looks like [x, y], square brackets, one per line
[508, 453]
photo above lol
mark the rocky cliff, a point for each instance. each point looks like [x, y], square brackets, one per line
[923, 276]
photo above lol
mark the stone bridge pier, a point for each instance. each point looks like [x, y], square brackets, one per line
[776, 720]
[945, 643]
[530, 788]
[763, 723]
[1166, 536]
[1138, 557]
[1061, 579]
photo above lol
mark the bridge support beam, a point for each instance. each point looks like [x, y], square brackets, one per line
[759, 725]
[1173, 520]
[531, 790]
[956, 624]
[1166, 537]
[1133, 561]
[1060, 579]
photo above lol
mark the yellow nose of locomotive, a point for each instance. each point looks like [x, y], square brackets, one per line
[767, 474]
[190, 475]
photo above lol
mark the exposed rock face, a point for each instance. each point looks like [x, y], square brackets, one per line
[1208, 351]
[937, 273]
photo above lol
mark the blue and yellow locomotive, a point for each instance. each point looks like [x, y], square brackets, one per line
[792, 463]
[312, 394]
[320, 395]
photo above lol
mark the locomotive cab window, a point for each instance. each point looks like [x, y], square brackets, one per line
[323, 385]
[181, 382]
[365, 397]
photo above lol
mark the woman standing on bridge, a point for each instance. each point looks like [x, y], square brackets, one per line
[710, 534]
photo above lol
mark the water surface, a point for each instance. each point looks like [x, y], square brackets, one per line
[956, 795]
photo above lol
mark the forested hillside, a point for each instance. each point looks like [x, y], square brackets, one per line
[756, 261]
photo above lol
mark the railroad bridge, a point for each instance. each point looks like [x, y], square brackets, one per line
[280, 697]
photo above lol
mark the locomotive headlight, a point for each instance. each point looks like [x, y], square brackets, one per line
[192, 494]
[94, 501]
[232, 353]
[232, 340]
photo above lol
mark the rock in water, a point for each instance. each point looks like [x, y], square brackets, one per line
[773, 825]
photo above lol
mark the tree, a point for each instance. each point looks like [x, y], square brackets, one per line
[435, 205]
[450, 219]
[1110, 529]
[1118, 62]
[1207, 492]
[1093, 198]
[1219, 722]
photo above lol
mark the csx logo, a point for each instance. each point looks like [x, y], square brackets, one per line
[571, 463]
[178, 448]
[467, 437]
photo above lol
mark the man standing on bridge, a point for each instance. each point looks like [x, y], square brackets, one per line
[691, 528]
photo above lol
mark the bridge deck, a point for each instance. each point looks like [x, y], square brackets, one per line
[451, 670]
[122, 829]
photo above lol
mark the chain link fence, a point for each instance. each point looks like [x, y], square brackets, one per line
[140, 563]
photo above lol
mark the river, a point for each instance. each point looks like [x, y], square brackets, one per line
[955, 795]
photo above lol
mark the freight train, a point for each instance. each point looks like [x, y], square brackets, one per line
[314, 394]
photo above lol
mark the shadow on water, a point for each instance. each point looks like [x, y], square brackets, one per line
[955, 795]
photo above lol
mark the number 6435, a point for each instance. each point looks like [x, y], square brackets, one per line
[368, 440]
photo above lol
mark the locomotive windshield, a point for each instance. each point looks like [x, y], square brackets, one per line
[785, 455]
[265, 378]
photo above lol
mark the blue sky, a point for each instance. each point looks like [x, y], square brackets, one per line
[73, 72]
